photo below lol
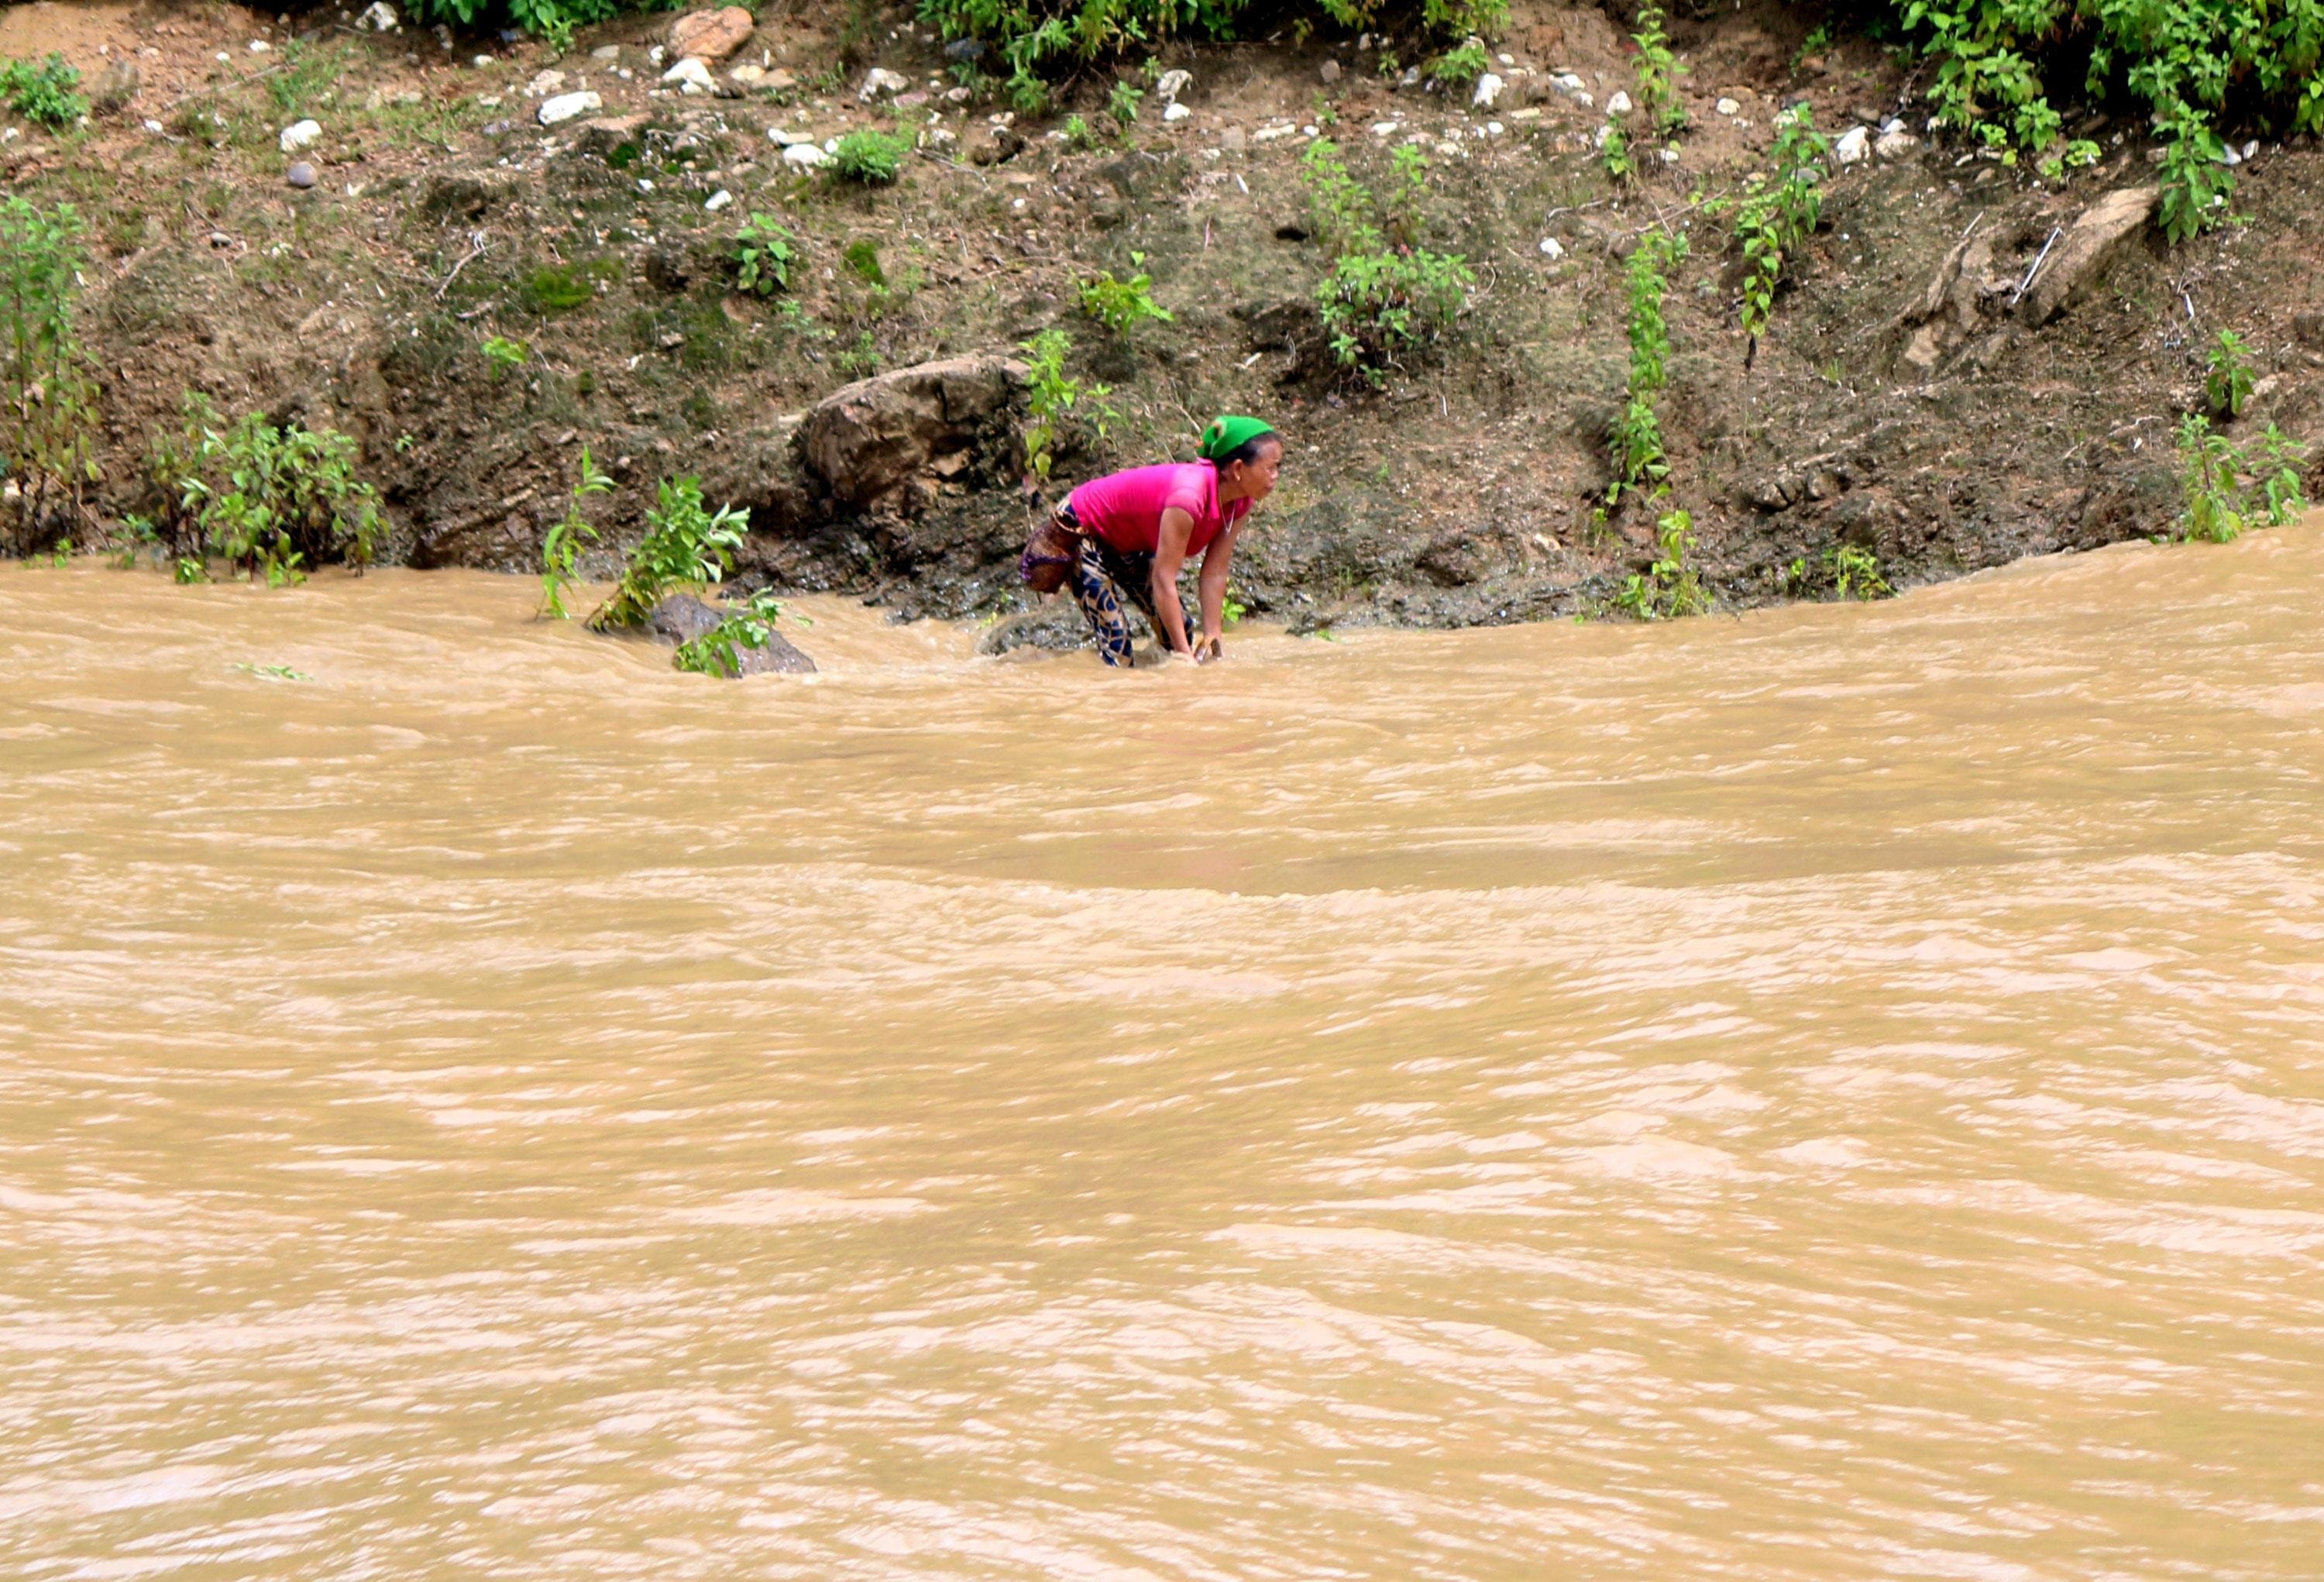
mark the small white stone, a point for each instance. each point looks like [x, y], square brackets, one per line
[718, 201]
[154, 127]
[691, 75]
[261, 47]
[1506, 59]
[607, 53]
[1670, 156]
[804, 156]
[1387, 128]
[543, 84]
[379, 18]
[656, 55]
[1176, 112]
[2229, 157]
[1619, 105]
[565, 106]
[1727, 107]
[644, 185]
[298, 134]
[880, 80]
[1895, 144]
[1854, 145]
[481, 61]
[746, 74]
[1552, 248]
[1488, 91]
[1494, 128]
[2251, 149]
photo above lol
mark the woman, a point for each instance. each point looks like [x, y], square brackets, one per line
[1124, 538]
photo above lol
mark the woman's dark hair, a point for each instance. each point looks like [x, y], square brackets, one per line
[1249, 450]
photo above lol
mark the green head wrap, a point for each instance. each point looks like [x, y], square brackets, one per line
[1227, 435]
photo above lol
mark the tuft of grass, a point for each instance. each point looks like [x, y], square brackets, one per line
[869, 157]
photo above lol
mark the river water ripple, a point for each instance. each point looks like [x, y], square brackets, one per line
[1835, 1093]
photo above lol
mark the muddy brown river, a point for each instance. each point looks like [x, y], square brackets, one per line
[1833, 1093]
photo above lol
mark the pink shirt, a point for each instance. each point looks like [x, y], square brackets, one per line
[1125, 508]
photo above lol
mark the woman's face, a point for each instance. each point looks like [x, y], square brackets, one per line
[1259, 477]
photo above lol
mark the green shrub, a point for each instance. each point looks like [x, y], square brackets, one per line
[553, 20]
[2188, 59]
[1659, 74]
[43, 92]
[1123, 305]
[1461, 67]
[1122, 103]
[763, 254]
[686, 548]
[1670, 587]
[1379, 300]
[1637, 441]
[48, 411]
[559, 288]
[1614, 153]
[2227, 384]
[1038, 41]
[560, 551]
[1777, 214]
[2228, 489]
[503, 355]
[869, 157]
[270, 502]
[719, 650]
[1054, 397]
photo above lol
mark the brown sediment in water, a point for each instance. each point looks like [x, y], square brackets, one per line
[1827, 1093]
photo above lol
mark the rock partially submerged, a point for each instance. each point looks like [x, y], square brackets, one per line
[682, 618]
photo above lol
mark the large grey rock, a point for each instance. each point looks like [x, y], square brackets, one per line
[868, 442]
[682, 618]
[2088, 250]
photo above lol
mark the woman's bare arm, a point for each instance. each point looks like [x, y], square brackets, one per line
[1170, 558]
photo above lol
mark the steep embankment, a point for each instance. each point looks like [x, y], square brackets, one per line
[1915, 396]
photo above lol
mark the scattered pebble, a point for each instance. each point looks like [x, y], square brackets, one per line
[880, 80]
[606, 52]
[379, 18]
[718, 201]
[1726, 106]
[1329, 71]
[691, 75]
[298, 134]
[543, 84]
[261, 47]
[1488, 91]
[804, 156]
[1619, 105]
[1387, 128]
[481, 62]
[1853, 145]
[565, 106]
[300, 175]
[1175, 111]
[1552, 248]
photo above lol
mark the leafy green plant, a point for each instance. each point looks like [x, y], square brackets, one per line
[719, 650]
[270, 502]
[1659, 74]
[869, 157]
[861, 257]
[1379, 300]
[763, 254]
[2228, 489]
[560, 551]
[43, 91]
[552, 20]
[1817, 39]
[1123, 305]
[1121, 102]
[504, 355]
[1078, 135]
[2228, 385]
[1777, 214]
[560, 288]
[1053, 398]
[1614, 153]
[1670, 587]
[1855, 573]
[1636, 442]
[686, 548]
[47, 403]
[273, 672]
[1460, 66]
